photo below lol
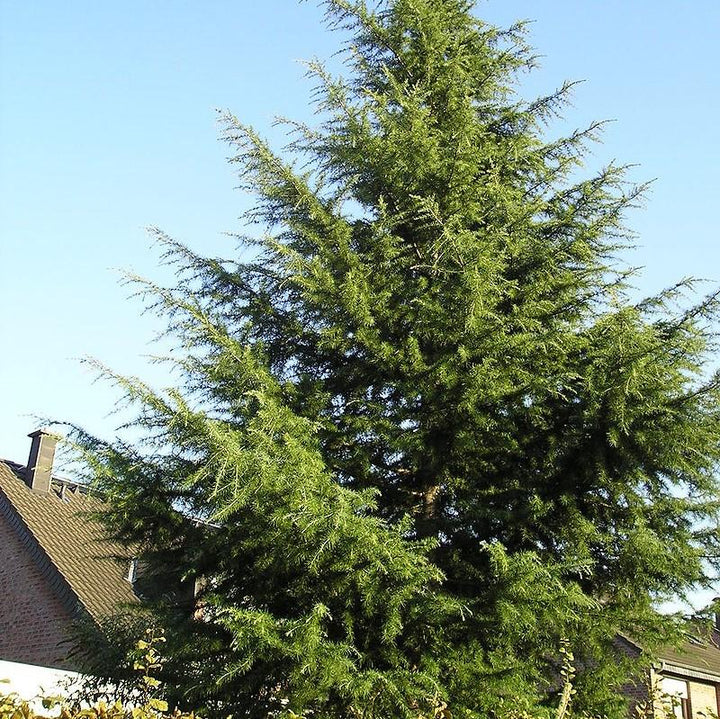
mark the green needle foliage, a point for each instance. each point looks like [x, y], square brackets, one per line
[423, 437]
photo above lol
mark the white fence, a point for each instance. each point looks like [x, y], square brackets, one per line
[31, 682]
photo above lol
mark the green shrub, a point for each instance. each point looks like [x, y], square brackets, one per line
[146, 700]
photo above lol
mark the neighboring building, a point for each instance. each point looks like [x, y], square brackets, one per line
[55, 565]
[686, 680]
[692, 676]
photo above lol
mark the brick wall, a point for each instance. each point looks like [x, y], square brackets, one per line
[33, 621]
[703, 699]
[636, 692]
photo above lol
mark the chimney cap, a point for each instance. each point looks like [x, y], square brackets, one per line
[46, 432]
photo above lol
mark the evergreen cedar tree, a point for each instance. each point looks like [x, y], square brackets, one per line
[431, 434]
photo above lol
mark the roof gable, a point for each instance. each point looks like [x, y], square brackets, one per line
[74, 545]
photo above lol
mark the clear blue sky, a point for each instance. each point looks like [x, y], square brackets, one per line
[108, 125]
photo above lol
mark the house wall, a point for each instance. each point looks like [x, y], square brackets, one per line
[703, 699]
[33, 621]
[691, 699]
[636, 692]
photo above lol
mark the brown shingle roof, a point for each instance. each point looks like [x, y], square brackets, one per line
[700, 654]
[67, 542]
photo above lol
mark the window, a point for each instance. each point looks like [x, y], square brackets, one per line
[675, 693]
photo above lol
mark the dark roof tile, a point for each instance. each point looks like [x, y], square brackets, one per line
[699, 653]
[74, 543]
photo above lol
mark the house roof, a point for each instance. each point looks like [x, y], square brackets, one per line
[698, 656]
[699, 653]
[70, 548]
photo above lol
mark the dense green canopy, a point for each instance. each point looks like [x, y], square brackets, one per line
[429, 433]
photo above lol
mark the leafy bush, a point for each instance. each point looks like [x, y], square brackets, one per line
[145, 702]
[144, 699]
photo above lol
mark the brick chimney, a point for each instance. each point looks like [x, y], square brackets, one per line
[40, 462]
